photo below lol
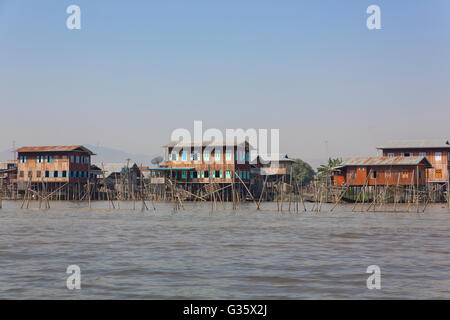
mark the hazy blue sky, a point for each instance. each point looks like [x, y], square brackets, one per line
[139, 69]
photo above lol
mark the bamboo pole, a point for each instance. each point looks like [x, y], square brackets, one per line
[254, 201]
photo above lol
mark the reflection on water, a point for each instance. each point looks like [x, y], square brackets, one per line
[197, 254]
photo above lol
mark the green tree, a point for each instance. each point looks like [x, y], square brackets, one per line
[303, 171]
[326, 170]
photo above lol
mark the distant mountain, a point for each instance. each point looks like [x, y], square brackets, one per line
[106, 155]
[6, 155]
[103, 154]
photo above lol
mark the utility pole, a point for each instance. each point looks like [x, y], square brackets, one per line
[13, 149]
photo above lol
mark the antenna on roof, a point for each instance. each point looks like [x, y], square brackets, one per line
[13, 149]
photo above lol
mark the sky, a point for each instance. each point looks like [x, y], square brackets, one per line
[137, 70]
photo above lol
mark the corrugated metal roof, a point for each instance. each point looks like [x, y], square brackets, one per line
[110, 168]
[384, 161]
[278, 157]
[53, 149]
[412, 144]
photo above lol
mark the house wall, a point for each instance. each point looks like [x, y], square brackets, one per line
[385, 175]
[439, 163]
[60, 162]
[201, 165]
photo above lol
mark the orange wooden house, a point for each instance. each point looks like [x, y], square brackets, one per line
[53, 164]
[206, 162]
[382, 171]
[436, 151]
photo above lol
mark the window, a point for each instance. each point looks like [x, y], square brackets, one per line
[194, 174]
[23, 159]
[195, 156]
[247, 156]
[228, 155]
[438, 173]
[55, 174]
[56, 158]
[391, 155]
[206, 155]
[183, 174]
[228, 174]
[77, 159]
[374, 174]
[21, 174]
[64, 174]
[217, 155]
[71, 159]
[352, 174]
[205, 174]
[30, 174]
[217, 174]
[39, 159]
[422, 154]
[38, 174]
[47, 174]
[407, 154]
[49, 159]
[404, 175]
[387, 174]
[184, 156]
[438, 156]
[173, 156]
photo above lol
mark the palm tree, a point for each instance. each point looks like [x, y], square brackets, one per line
[325, 171]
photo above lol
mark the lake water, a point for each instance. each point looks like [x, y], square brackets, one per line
[196, 254]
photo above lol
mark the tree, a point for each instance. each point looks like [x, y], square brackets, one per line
[326, 170]
[302, 171]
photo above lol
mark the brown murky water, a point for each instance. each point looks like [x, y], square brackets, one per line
[197, 254]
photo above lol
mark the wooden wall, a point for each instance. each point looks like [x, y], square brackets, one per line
[61, 164]
[385, 175]
[443, 164]
[211, 165]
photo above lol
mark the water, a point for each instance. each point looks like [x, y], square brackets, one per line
[196, 254]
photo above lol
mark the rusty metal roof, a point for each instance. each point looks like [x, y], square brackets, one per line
[416, 144]
[54, 149]
[385, 161]
[277, 157]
